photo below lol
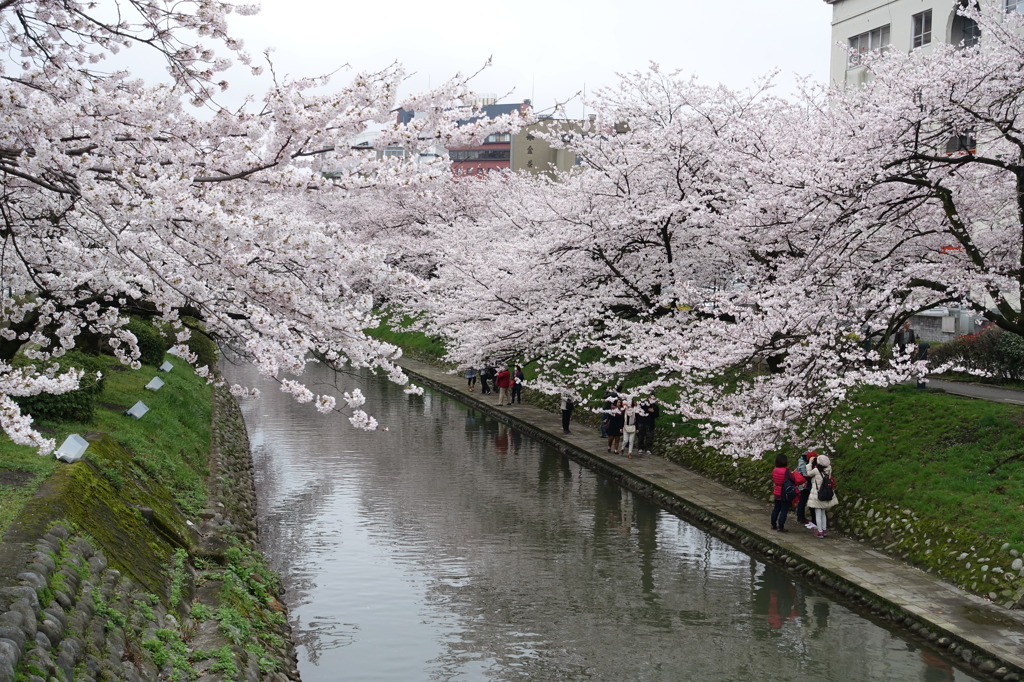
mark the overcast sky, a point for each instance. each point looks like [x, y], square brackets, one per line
[546, 51]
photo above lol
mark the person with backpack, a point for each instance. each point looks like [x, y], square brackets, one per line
[803, 466]
[784, 490]
[823, 494]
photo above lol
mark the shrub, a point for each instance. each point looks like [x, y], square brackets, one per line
[199, 343]
[202, 345]
[152, 344]
[992, 351]
[75, 405]
[205, 350]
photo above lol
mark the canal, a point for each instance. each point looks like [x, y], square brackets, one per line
[451, 547]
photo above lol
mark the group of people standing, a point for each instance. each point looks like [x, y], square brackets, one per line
[508, 385]
[810, 486]
[626, 422]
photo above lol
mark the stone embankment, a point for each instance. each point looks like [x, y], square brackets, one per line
[106, 579]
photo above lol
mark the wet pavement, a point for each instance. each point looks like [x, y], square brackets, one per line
[987, 636]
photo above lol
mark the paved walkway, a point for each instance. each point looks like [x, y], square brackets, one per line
[986, 636]
[980, 391]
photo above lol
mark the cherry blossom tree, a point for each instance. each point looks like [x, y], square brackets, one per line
[748, 256]
[122, 196]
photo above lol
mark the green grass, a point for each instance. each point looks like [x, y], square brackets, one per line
[952, 459]
[415, 344]
[22, 471]
[171, 442]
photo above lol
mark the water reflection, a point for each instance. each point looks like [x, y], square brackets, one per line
[454, 548]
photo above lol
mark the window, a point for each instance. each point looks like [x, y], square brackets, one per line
[971, 32]
[1015, 6]
[921, 31]
[479, 155]
[961, 144]
[875, 39]
[498, 138]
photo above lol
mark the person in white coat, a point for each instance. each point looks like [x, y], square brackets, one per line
[820, 470]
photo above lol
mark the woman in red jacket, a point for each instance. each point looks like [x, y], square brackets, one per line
[779, 474]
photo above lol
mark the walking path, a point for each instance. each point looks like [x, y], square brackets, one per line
[988, 638]
[980, 391]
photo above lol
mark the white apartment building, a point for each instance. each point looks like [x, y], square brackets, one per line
[865, 25]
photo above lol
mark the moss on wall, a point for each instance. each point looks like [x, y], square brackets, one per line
[111, 499]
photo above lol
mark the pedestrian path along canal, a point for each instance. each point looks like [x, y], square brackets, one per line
[451, 547]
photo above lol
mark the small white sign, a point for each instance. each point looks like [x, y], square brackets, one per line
[72, 449]
[166, 367]
[137, 410]
[155, 384]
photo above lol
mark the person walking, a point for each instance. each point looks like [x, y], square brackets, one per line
[610, 396]
[517, 385]
[502, 382]
[471, 378]
[779, 475]
[820, 479]
[629, 425]
[905, 340]
[484, 378]
[645, 425]
[567, 406]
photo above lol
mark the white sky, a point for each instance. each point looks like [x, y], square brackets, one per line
[545, 51]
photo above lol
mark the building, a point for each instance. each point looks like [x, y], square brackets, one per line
[521, 151]
[860, 26]
[532, 153]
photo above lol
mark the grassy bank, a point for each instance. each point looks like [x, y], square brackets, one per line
[414, 344]
[956, 460]
[171, 441]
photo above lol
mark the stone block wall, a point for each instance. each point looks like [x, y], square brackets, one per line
[974, 563]
[66, 612]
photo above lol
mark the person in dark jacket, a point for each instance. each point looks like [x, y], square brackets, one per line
[804, 465]
[517, 385]
[567, 406]
[487, 377]
[616, 419]
[610, 396]
[649, 413]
